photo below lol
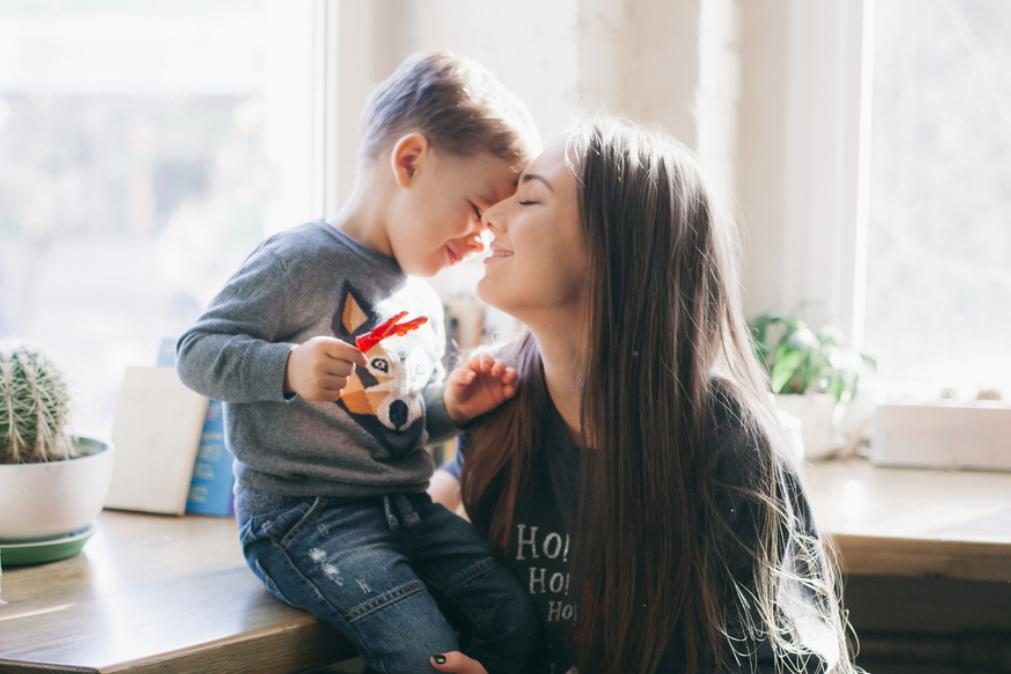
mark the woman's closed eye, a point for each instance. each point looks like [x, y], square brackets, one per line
[477, 211]
[527, 202]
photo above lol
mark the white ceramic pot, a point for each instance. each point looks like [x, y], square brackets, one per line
[39, 500]
[819, 427]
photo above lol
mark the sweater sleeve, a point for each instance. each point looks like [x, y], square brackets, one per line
[437, 422]
[233, 352]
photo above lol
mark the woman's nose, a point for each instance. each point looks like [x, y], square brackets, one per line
[493, 220]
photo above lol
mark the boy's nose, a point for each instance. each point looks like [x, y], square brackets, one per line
[476, 242]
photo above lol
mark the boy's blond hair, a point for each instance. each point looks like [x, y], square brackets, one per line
[456, 103]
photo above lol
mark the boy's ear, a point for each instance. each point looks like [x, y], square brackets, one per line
[409, 152]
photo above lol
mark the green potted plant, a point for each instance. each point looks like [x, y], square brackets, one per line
[52, 483]
[813, 376]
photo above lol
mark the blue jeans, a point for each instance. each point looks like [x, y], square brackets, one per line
[395, 574]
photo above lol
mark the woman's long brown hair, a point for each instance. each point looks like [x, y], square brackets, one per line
[666, 339]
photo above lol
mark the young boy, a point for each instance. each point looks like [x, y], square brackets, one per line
[328, 440]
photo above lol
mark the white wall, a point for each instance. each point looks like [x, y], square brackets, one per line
[533, 47]
[564, 58]
[761, 149]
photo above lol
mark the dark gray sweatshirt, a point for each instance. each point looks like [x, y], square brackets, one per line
[305, 282]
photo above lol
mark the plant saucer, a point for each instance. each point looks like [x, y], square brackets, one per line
[41, 551]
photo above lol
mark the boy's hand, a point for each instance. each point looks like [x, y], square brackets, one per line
[319, 368]
[479, 386]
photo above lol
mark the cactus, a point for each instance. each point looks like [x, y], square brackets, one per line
[33, 407]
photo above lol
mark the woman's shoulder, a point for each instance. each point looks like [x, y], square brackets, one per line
[734, 439]
[742, 455]
[747, 466]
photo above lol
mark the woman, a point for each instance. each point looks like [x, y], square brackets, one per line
[637, 483]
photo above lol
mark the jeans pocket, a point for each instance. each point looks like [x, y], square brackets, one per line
[282, 527]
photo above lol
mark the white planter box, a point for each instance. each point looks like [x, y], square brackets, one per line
[819, 428]
[972, 436]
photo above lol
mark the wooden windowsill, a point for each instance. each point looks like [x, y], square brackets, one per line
[156, 593]
[914, 522]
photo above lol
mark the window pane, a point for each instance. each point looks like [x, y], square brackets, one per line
[147, 147]
[939, 256]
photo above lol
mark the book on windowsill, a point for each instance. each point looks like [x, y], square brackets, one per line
[211, 487]
[212, 481]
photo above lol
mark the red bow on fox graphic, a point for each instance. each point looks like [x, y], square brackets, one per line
[385, 398]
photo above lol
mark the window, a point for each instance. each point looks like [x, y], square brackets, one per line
[147, 148]
[939, 226]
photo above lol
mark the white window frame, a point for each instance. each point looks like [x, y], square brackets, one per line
[350, 60]
[827, 158]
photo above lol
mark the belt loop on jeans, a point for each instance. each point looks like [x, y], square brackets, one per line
[408, 515]
[391, 519]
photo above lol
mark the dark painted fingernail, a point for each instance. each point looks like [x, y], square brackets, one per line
[439, 659]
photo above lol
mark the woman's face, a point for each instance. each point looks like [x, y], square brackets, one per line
[538, 256]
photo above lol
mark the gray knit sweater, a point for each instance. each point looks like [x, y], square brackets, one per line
[309, 281]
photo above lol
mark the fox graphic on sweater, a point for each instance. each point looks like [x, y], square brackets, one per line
[385, 398]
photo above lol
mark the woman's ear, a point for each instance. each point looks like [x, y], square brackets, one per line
[408, 154]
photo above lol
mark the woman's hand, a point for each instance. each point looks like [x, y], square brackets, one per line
[477, 387]
[457, 663]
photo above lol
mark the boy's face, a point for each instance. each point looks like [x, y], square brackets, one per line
[434, 220]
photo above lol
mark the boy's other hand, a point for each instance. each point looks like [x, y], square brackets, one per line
[479, 386]
[319, 369]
